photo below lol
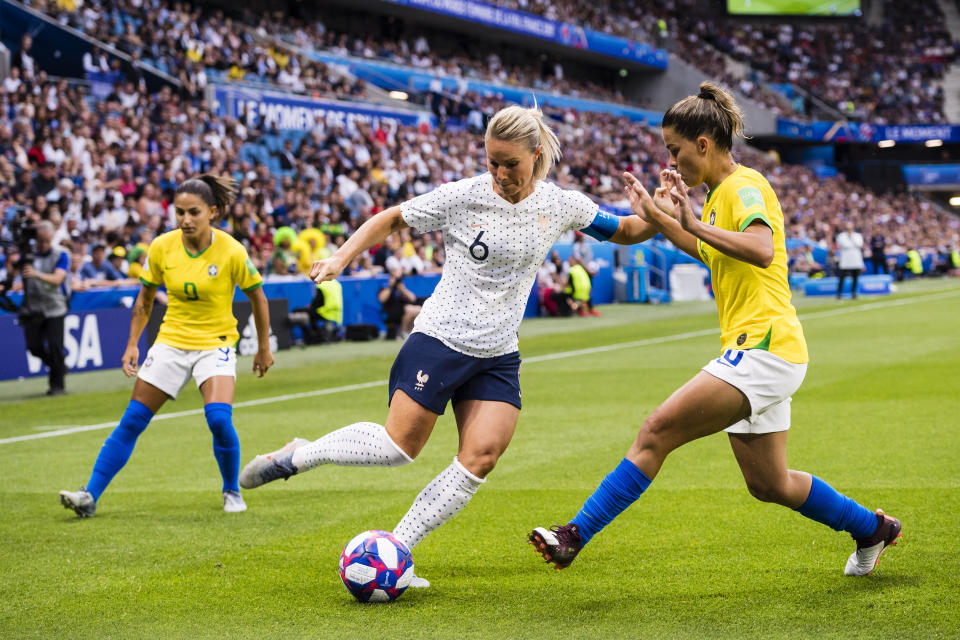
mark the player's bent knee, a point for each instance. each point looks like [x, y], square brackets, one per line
[478, 463]
[765, 490]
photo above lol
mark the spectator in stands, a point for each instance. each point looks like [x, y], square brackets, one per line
[23, 60]
[850, 257]
[399, 307]
[98, 271]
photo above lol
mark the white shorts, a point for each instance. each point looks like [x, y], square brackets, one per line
[168, 368]
[767, 380]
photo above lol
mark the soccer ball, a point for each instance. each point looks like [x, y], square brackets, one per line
[376, 567]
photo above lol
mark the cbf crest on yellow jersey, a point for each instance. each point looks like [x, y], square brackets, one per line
[200, 289]
[754, 303]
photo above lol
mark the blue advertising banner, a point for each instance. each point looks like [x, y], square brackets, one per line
[918, 175]
[290, 111]
[528, 24]
[92, 339]
[865, 132]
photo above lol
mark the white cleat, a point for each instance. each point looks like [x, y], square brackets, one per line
[419, 583]
[271, 466]
[81, 502]
[233, 502]
[862, 561]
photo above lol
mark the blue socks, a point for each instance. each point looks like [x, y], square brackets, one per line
[619, 490]
[837, 511]
[117, 448]
[226, 445]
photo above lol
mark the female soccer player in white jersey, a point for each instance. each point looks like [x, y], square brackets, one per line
[747, 390]
[201, 267]
[497, 229]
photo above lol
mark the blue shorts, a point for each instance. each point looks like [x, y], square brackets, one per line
[433, 374]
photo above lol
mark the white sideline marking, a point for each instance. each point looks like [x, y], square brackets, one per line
[193, 412]
[62, 431]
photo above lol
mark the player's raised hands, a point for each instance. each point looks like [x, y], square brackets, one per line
[683, 207]
[640, 200]
[327, 269]
[661, 195]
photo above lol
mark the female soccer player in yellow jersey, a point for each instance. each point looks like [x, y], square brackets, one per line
[201, 267]
[747, 390]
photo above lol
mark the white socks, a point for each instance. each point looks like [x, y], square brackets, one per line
[361, 444]
[439, 501]
[366, 444]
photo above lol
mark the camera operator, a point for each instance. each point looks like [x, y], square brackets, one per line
[399, 306]
[45, 292]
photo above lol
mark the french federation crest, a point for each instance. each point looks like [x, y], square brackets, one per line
[212, 271]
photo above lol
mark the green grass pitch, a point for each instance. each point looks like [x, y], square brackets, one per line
[795, 7]
[696, 557]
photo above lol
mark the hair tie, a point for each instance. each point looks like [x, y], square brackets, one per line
[703, 95]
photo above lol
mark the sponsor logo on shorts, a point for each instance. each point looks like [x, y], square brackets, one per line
[741, 339]
[212, 271]
[422, 379]
[148, 361]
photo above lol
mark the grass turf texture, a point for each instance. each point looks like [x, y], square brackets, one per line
[696, 557]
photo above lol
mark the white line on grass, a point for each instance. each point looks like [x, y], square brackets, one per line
[546, 357]
[193, 412]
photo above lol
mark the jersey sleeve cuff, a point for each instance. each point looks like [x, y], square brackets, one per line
[757, 216]
[253, 288]
[147, 283]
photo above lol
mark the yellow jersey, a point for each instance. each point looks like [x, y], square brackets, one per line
[753, 303]
[200, 289]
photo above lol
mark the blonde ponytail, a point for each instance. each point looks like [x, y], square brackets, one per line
[527, 128]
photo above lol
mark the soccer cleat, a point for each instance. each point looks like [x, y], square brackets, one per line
[233, 502]
[559, 545]
[863, 561]
[419, 583]
[81, 502]
[271, 466]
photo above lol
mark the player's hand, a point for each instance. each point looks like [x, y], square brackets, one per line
[681, 201]
[661, 195]
[131, 357]
[262, 361]
[28, 271]
[640, 200]
[327, 269]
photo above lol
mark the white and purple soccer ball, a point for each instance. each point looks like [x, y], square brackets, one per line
[376, 567]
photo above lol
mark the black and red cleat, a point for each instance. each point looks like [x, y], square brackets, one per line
[862, 561]
[559, 544]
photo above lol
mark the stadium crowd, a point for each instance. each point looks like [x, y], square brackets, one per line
[885, 73]
[104, 171]
[196, 46]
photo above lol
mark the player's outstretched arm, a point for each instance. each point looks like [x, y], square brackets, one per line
[650, 209]
[754, 245]
[263, 360]
[141, 314]
[372, 232]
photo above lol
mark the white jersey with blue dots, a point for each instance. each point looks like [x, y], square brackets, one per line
[493, 251]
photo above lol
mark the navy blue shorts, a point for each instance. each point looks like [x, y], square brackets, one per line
[433, 374]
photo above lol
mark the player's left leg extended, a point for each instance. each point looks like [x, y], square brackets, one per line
[218, 408]
[702, 406]
[763, 462]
